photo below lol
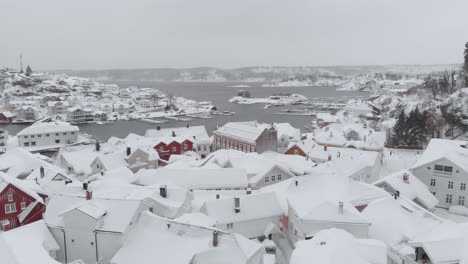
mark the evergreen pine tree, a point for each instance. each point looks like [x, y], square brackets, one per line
[28, 70]
[399, 130]
[465, 65]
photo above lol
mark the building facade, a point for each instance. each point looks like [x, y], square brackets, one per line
[244, 137]
[48, 134]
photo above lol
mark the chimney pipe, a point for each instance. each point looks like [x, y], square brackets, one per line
[173, 133]
[249, 191]
[340, 207]
[158, 127]
[406, 178]
[98, 146]
[396, 194]
[236, 204]
[188, 125]
[41, 169]
[217, 196]
[89, 195]
[297, 183]
[215, 238]
[85, 186]
[129, 150]
[163, 191]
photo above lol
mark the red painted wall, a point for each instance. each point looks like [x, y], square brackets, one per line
[167, 151]
[18, 197]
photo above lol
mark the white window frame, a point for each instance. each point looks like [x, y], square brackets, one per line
[10, 208]
[23, 206]
[10, 197]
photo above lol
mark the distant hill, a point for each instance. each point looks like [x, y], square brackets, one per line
[249, 74]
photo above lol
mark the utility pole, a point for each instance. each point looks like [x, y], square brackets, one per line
[21, 62]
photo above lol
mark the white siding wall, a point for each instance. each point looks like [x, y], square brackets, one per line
[48, 139]
[441, 189]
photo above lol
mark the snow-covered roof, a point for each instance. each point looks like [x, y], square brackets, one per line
[454, 150]
[336, 246]
[195, 178]
[149, 239]
[240, 131]
[48, 127]
[294, 163]
[112, 160]
[336, 134]
[254, 206]
[7, 114]
[5, 180]
[20, 163]
[414, 189]
[395, 221]
[191, 131]
[174, 204]
[79, 158]
[27, 244]
[113, 215]
[317, 197]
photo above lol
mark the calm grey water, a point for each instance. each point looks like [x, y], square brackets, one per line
[218, 93]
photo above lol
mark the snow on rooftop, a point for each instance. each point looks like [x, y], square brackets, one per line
[254, 206]
[28, 244]
[241, 131]
[191, 131]
[5, 180]
[395, 221]
[48, 127]
[111, 214]
[313, 191]
[336, 246]
[453, 150]
[195, 178]
[413, 188]
[149, 239]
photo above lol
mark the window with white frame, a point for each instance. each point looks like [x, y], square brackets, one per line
[462, 186]
[441, 170]
[10, 197]
[279, 177]
[267, 179]
[10, 208]
[23, 206]
[230, 225]
[448, 199]
[185, 146]
[461, 200]
[433, 182]
[174, 149]
[296, 152]
[273, 178]
[450, 184]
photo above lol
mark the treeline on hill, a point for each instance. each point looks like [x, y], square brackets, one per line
[418, 127]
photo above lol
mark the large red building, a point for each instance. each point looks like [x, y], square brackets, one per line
[19, 205]
[175, 145]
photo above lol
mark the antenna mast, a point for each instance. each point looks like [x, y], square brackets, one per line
[21, 62]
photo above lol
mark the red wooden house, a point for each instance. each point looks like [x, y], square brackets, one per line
[19, 205]
[170, 146]
[6, 117]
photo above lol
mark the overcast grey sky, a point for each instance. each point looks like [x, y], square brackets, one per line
[101, 34]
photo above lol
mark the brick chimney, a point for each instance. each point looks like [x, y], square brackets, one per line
[89, 195]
